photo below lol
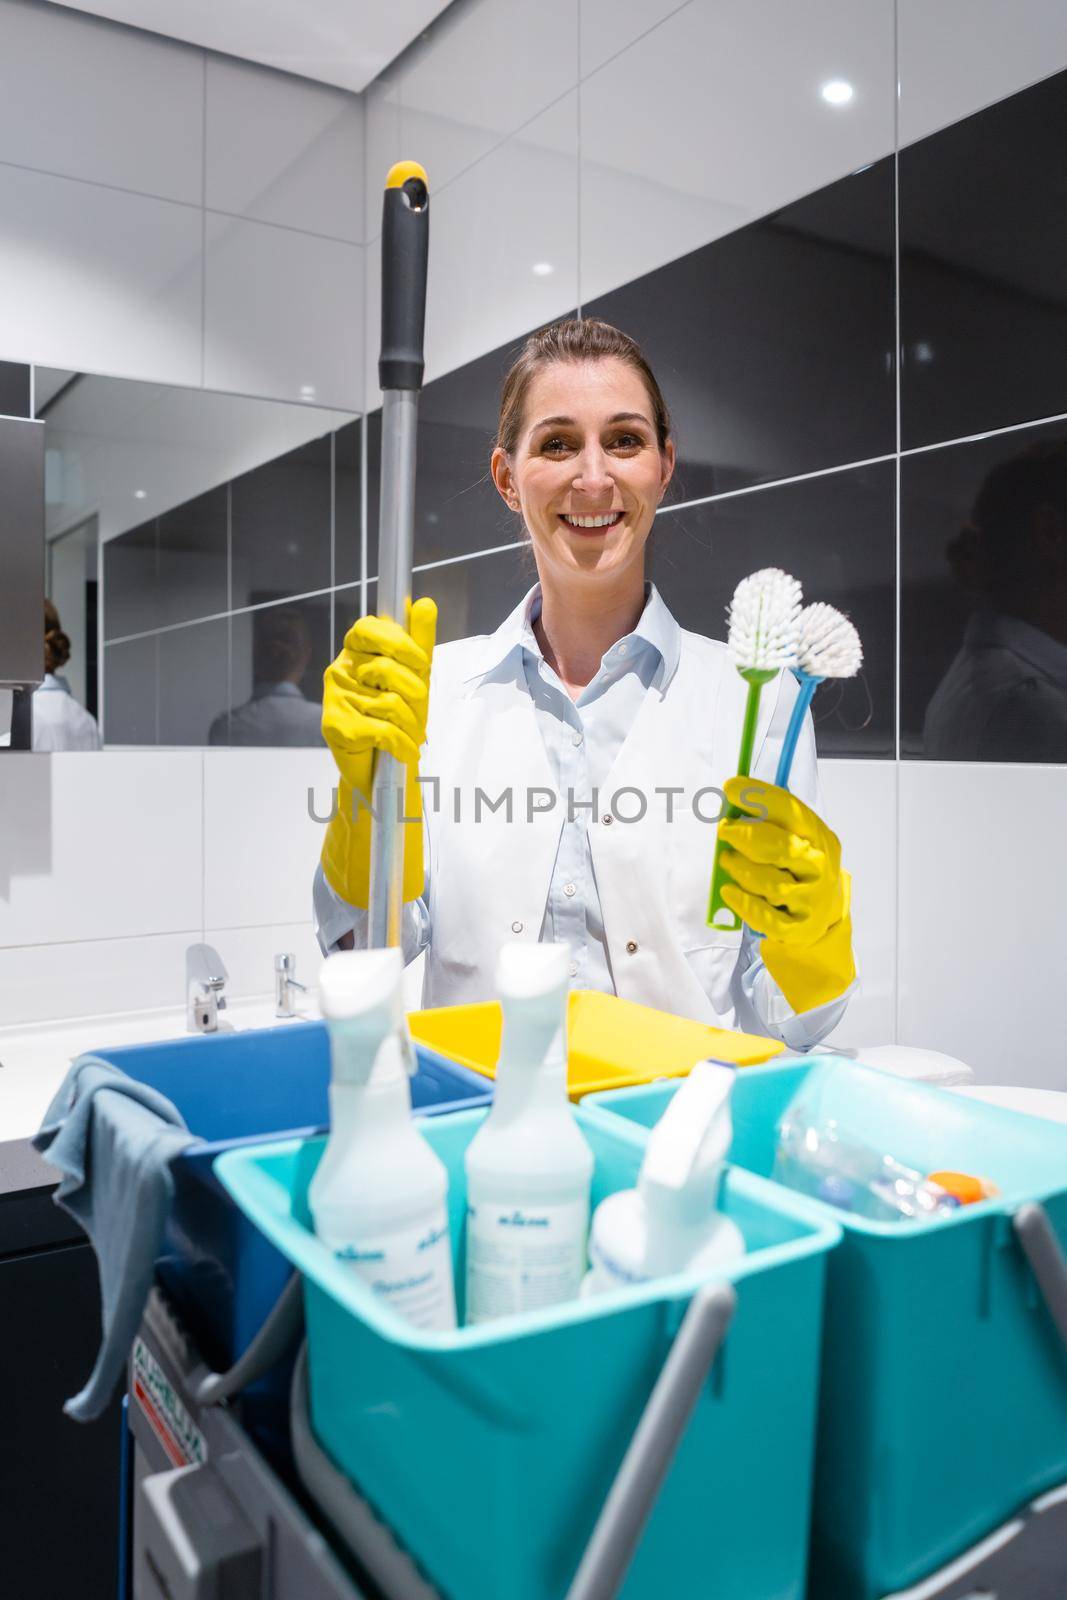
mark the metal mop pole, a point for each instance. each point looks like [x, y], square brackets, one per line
[405, 245]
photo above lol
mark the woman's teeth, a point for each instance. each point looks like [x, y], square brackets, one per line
[593, 522]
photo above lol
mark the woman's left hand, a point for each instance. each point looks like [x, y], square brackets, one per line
[788, 884]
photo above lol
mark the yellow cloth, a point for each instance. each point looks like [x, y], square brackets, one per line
[788, 884]
[375, 697]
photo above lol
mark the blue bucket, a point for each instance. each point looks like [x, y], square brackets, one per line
[489, 1450]
[944, 1388]
[234, 1089]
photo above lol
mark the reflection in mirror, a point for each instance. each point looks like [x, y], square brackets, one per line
[190, 536]
[984, 605]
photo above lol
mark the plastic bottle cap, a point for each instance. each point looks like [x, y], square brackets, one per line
[962, 1187]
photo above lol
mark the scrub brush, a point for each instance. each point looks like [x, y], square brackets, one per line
[829, 647]
[764, 622]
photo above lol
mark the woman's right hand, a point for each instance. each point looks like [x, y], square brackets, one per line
[376, 694]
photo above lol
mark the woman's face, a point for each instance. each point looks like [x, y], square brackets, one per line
[587, 473]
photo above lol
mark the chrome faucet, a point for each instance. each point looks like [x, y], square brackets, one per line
[205, 979]
[285, 984]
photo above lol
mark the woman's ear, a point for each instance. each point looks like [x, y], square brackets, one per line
[503, 477]
[667, 460]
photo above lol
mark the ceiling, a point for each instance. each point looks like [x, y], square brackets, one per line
[343, 42]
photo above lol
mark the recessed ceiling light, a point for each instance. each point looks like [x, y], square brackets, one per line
[140, 494]
[307, 391]
[542, 269]
[837, 92]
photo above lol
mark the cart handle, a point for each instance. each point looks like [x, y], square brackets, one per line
[283, 1327]
[651, 1450]
[1048, 1264]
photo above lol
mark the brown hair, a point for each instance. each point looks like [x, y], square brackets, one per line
[56, 643]
[585, 339]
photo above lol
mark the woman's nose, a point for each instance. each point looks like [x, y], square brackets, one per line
[593, 475]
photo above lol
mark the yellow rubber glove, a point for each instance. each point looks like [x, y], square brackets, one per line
[788, 884]
[375, 697]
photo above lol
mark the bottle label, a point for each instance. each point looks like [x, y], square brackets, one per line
[523, 1257]
[409, 1267]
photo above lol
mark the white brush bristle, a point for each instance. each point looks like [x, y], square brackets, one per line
[829, 645]
[765, 620]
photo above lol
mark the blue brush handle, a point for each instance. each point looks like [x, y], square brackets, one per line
[808, 686]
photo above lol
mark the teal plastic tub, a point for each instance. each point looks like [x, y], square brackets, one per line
[489, 1450]
[944, 1380]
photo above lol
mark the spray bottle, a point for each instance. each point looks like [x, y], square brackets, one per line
[671, 1222]
[528, 1166]
[379, 1194]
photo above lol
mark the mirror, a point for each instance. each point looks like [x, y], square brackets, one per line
[193, 543]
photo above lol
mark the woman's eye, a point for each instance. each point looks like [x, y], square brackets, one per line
[628, 441]
[554, 445]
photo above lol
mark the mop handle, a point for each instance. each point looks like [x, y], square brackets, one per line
[405, 250]
[803, 700]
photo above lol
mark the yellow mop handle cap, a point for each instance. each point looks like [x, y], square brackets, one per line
[401, 171]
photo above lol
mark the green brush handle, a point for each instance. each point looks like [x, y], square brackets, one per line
[719, 913]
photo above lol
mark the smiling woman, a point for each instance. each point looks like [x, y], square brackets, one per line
[570, 754]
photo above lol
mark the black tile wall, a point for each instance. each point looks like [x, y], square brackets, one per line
[131, 598]
[193, 667]
[281, 524]
[192, 566]
[347, 516]
[131, 686]
[983, 605]
[983, 269]
[475, 596]
[837, 534]
[14, 389]
[774, 345]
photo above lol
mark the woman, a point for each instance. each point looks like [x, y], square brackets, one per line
[610, 730]
[59, 722]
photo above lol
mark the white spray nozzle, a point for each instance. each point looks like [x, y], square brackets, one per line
[361, 996]
[690, 1142]
[532, 982]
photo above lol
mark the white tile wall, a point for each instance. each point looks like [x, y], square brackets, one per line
[303, 168]
[959, 55]
[381, 111]
[260, 844]
[485, 69]
[607, 27]
[44, 982]
[490, 228]
[282, 313]
[983, 883]
[99, 846]
[248, 954]
[860, 803]
[88, 100]
[716, 117]
[98, 279]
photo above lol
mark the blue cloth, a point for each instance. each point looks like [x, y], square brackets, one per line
[113, 1140]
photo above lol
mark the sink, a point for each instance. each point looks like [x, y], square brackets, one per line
[34, 1057]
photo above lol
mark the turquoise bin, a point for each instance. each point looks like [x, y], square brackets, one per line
[944, 1381]
[489, 1450]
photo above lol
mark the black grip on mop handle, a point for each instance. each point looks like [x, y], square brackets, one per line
[405, 250]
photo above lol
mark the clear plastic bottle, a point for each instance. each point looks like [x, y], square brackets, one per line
[819, 1158]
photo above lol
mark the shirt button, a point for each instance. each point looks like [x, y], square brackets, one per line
[621, 649]
[568, 889]
[516, 927]
[607, 819]
[576, 741]
[574, 969]
[631, 947]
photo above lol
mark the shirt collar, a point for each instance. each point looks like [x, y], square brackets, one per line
[285, 690]
[655, 627]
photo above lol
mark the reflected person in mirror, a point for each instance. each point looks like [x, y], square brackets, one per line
[278, 712]
[1004, 698]
[59, 722]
